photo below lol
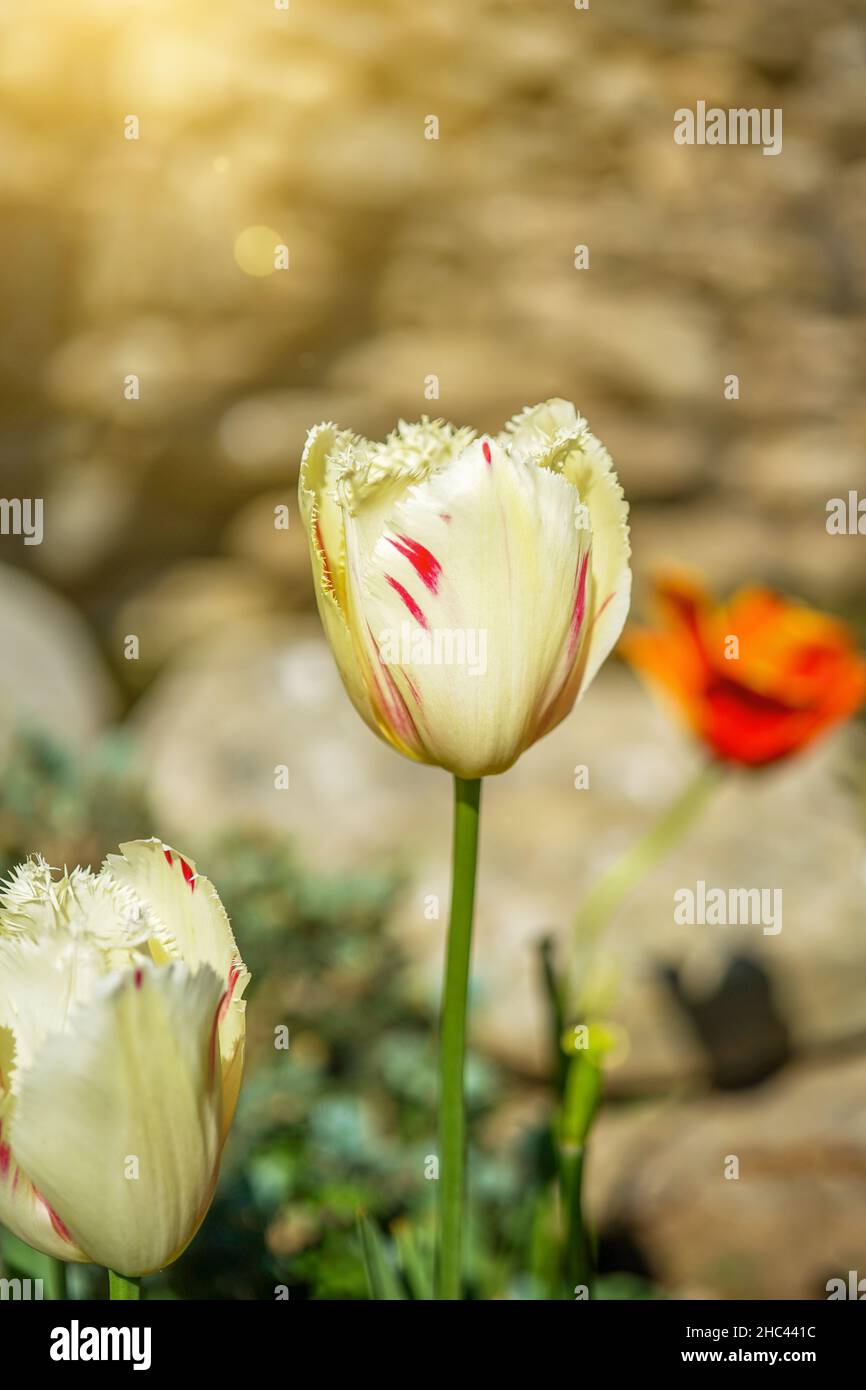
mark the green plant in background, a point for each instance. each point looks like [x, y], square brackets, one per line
[74, 806]
[756, 680]
[342, 1121]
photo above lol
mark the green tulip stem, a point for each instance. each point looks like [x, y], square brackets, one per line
[582, 1099]
[119, 1287]
[582, 1089]
[452, 1038]
[606, 894]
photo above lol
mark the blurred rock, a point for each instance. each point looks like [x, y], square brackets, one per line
[821, 353]
[249, 697]
[412, 258]
[193, 601]
[647, 345]
[281, 553]
[807, 561]
[722, 544]
[52, 675]
[264, 435]
[478, 381]
[87, 503]
[656, 1176]
[797, 470]
[655, 461]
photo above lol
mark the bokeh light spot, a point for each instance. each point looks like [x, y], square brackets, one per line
[256, 250]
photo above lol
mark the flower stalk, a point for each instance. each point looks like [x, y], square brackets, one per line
[452, 1106]
[122, 1289]
[582, 1098]
[614, 885]
[583, 1079]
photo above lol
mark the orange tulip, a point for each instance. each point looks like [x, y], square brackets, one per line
[757, 678]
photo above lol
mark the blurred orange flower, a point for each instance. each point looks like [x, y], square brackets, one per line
[757, 678]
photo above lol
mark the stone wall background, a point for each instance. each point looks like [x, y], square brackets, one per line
[456, 257]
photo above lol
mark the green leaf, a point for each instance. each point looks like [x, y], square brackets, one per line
[382, 1282]
[552, 993]
[544, 1246]
[30, 1263]
[416, 1261]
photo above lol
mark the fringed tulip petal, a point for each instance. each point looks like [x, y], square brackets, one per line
[23, 1210]
[324, 522]
[554, 436]
[118, 1122]
[185, 916]
[470, 588]
[121, 1052]
[460, 563]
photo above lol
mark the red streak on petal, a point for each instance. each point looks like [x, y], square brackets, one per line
[580, 602]
[188, 875]
[234, 973]
[425, 565]
[485, 449]
[169, 860]
[138, 978]
[221, 1011]
[326, 568]
[579, 611]
[410, 603]
[57, 1224]
[393, 706]
[5, 1154]
[212, 1048]
[601, 610]
[446, 516]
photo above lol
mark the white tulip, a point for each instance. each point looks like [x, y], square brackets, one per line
[121, 1052]
[470, 587]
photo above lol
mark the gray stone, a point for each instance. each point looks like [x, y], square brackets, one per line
[52, 676]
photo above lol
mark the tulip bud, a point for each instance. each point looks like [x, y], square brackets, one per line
[470, 587]
[121, 1051]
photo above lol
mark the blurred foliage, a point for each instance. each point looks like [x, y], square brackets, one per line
[73, 807]
[342, 1120]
